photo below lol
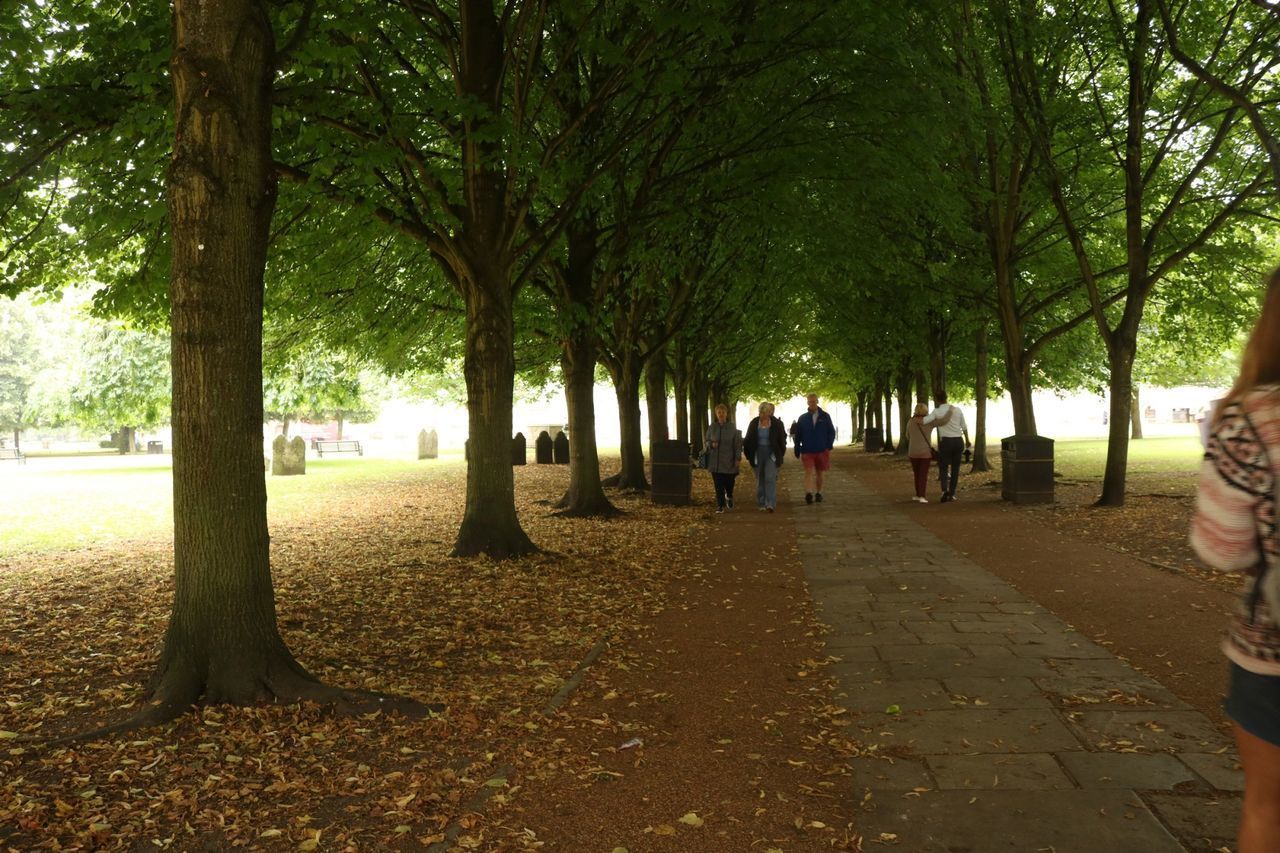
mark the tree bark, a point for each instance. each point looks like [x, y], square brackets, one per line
[222, 643]
[981, 391]
[341, 423]
[655, 395]
[1122, 351]
[697, 410]
[922, 388]
[626, 387]
[579, 354]
[904, 409]
[489, 522]
[284, 425]
[887, 402]
[482, 262]
[1135, 414]
[17, 438]
[680, 379]
[859, 416]
[586, 497]
[126, 442]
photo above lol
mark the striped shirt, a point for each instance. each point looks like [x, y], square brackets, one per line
[1234, 527]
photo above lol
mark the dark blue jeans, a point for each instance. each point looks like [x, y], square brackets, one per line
[724, 487]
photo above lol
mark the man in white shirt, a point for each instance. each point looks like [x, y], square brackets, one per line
[953, 441]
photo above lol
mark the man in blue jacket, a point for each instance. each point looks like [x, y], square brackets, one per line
[814, 435]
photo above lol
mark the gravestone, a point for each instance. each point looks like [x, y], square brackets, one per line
[519, 450]
[562, 449]
[543, 448]
[428, 445]
[288, 457]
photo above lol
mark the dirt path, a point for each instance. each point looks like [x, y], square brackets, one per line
[732, 710]
[1168, 625]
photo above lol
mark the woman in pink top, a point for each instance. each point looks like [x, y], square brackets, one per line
[1234, 530]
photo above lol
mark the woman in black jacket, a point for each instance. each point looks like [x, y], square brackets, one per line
[765, 446]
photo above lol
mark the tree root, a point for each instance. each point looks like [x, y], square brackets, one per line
[293, 689]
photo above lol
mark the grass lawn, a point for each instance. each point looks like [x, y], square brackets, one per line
[101, 500]
[1086, 459]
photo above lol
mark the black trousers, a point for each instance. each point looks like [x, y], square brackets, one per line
[950, 453]
[724, 487]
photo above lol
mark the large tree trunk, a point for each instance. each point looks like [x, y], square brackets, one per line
[222, 644]
[1018, 384]
[1135, 414]
[578, 357]
[626, 387]
[1121, 355]
[655, 395]
[586, 497]
[680, 379]
[126, 441]
[697, 410]
[937, 341]
[859, 416]
[904, 410]
[481, 262]
[922, 388]
[981, 391]
[887, 403]
[341, 423]
[489, 522]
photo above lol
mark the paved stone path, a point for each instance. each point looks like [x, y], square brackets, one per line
[999, 727]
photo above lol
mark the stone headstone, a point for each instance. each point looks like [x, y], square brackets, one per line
[519, 450]
[543, 448]
[428, 445]
[562, 449]
[288, 457]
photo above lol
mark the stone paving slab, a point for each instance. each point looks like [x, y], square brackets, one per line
[1011, 731]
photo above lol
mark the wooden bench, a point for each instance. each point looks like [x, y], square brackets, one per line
[13, 453]
[323, 447]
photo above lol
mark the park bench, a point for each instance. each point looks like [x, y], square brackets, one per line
[323, 447]
[13, 453]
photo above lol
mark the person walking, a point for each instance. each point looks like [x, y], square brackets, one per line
[1234, 530]
[953, 441]
[920, 451]
[723, 446]
[814, 435]
[765, 446]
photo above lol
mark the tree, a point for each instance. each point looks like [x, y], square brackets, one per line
[316, 385]
[19, 364]
[222, 643]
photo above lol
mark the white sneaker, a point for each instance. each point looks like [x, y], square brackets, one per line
[922, 500]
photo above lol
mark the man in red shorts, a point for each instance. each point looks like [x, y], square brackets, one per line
[814, 436]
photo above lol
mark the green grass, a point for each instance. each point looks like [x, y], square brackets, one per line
[1085, 459]
[93, 504]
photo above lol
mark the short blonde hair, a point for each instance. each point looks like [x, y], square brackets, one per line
[766, 408]
[921, 409]
[721, 407]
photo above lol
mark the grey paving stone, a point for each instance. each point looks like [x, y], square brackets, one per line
[1025, 772]
[1022, 821]
[851, 673]
[1113, 668]
[899, 774]
[875, 638]
[1024, 626]
[1160, 772]
[998, 692]
[908, 695]
[1134, 691]
[923, 653]
[855, 653]
[1200, 822]
[986, 667]
[1221, 770]
[953, 636]
[1058, 646]
[975, 730]
[1153, 729]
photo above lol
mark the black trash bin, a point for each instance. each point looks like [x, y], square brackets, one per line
[1026, 469]
[155, 447]
[873, 440]
[672, 474]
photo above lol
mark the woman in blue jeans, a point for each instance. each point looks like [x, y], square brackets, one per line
[765, 447]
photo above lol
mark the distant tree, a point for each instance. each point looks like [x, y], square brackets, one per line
[315, 385]
[19, 364]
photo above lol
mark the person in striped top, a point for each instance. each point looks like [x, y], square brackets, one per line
[1234, 530]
